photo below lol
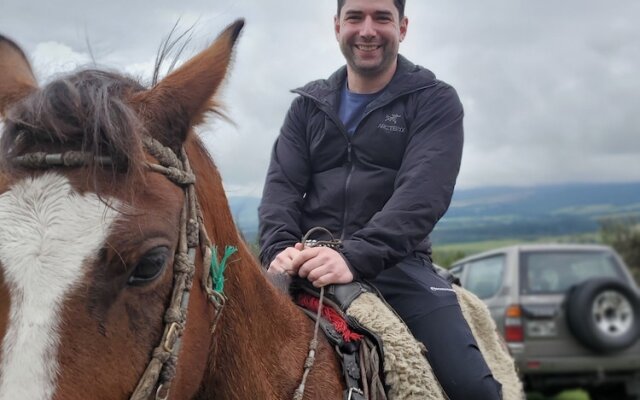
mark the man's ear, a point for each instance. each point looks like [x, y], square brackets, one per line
[336, 26]
[404, 25]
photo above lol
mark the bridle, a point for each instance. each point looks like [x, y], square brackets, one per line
[161, 370]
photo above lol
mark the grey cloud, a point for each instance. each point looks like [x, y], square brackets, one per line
[550, 88]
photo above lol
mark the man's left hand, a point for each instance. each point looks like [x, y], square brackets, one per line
[322, 266]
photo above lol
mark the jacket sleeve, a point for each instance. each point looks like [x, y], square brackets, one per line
[287, 178]
[422, 189]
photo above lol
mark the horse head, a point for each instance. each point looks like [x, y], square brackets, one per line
[92, 229]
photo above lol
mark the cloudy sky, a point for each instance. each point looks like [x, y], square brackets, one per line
[551, 89]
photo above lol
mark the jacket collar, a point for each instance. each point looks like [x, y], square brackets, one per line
[407, 77]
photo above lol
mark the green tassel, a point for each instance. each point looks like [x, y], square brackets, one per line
[217, 269]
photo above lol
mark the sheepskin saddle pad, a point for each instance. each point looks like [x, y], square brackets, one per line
[389, 363]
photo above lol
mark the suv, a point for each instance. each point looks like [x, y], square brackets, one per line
[570, 315]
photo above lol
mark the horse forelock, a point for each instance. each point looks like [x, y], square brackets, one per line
[87, 111]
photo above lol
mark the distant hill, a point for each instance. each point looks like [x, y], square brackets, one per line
[528, 213]
[245, 213]
[508, 212]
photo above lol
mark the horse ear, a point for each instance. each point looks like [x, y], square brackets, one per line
[181, 100]
[16, 77]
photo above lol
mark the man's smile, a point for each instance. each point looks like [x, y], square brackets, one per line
[368, 47]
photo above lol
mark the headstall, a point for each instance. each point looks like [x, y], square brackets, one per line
[157, 377]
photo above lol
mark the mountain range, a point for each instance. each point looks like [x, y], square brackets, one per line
[493, 213]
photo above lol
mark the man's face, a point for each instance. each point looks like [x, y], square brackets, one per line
[369, 33]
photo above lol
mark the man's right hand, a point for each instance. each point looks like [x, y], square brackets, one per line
[283, 261]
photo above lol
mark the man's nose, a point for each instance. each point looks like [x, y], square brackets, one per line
[367, 29]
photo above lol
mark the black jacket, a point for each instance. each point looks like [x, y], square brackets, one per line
[381, 190]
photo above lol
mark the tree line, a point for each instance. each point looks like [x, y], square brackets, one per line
[623, 234]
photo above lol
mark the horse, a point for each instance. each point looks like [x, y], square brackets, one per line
[122, 273]
[89, 249]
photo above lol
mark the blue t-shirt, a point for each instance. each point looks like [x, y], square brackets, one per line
[352, 107]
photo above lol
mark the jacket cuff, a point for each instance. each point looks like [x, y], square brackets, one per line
[354, 272]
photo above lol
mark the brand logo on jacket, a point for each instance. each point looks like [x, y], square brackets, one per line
[392, 119]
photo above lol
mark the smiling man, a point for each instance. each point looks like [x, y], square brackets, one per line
[372, 154]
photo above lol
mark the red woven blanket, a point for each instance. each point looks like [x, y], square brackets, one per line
[311, 303]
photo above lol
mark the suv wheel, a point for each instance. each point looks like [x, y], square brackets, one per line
[604, 314]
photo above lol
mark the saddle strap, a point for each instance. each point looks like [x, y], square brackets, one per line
[349, 358]
[351, 370]
[374, 388]
[362, 372]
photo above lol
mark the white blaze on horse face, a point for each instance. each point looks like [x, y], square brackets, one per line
[48, 232]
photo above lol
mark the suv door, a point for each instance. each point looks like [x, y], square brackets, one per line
[484, 277]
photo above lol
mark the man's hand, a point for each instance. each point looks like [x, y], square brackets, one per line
[321, 266]
[283, 261]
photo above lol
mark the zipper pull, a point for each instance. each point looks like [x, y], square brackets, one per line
[349, 152]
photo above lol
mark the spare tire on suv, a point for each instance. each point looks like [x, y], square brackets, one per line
[604, 314]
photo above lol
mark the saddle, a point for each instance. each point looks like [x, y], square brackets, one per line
[360, 350]
[381, 359]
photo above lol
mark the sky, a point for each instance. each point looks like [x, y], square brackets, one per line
[551, 90]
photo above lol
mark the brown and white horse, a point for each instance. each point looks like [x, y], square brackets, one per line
[87, 253]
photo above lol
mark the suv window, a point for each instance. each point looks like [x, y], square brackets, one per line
[484, 276]
[556, 272]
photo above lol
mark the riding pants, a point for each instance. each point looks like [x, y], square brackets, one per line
[429, 306]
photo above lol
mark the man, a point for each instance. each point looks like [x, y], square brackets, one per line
[372, 154]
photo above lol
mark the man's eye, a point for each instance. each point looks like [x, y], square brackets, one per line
[150, 266]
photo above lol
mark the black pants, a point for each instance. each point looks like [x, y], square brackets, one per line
[427, 304]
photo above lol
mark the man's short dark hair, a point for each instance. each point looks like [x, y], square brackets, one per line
[399, 5]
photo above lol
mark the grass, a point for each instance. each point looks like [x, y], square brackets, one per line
[566, 395]
[476, 247]
[445, 254]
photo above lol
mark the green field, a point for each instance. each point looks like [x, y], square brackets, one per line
[445, 254]
[567, 395]
[475, 247]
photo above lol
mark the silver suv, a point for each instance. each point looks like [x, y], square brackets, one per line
[570, 315]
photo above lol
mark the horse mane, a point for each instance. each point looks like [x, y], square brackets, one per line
[85, 111]
[96, 112]
[213, 200]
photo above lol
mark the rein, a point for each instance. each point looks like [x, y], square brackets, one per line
[313, 344]
[161, 370]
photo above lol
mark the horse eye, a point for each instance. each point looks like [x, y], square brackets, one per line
[150, 266]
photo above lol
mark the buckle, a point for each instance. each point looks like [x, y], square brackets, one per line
[162, 393]
[172, 336]
[354, 394]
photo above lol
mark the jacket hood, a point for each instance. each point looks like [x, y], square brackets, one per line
[408, 77]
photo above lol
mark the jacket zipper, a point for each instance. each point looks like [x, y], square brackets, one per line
[326, 107]
[347, 181]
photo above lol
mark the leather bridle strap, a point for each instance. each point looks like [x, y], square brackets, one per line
[160, 371]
